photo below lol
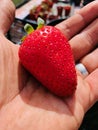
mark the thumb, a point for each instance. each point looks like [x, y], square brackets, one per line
[6, 17]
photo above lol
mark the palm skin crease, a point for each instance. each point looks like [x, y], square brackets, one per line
[25, 104]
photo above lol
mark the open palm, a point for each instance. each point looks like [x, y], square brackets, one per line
[26, 105]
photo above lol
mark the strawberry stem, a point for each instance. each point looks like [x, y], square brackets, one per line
[40, 23]
[28, 28]
[23, 38]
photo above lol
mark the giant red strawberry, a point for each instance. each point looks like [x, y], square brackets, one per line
[47, 55]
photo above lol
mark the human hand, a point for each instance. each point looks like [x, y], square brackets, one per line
[26, 105]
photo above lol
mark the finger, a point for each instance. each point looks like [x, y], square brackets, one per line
[6, 17]
[85, 96]
[92, 81]
[75, 24]
[90, 61]
[86, 41]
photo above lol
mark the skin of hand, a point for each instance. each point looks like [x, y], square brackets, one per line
[7, 14]
[24, 103]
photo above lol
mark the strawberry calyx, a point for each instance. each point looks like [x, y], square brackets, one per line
[40, 23]
[29, 28]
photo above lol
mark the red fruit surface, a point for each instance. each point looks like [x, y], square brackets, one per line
[47, 55]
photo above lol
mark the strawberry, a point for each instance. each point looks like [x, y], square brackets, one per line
[47, 55]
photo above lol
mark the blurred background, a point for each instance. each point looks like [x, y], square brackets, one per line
[52, 11]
